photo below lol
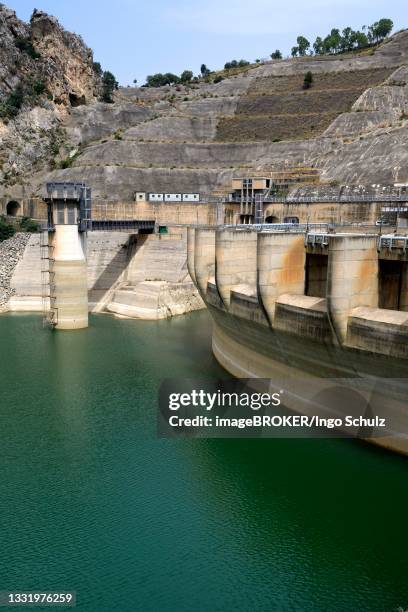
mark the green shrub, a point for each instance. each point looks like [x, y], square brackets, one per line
[68, 161]
[10, 107]
[29, 225]
[25, 45]
[6, 230]
[308, 80]
[109, 84]
[97, 68]
[39, 88]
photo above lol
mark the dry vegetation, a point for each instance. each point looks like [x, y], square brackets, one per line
[278, 108]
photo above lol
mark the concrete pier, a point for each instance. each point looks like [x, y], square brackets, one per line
[69, 211]
[281, 268]
[352, 277]
[69, 277]
[235, 255]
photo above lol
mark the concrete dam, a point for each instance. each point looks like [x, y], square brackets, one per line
[79, 264]
[290, 304]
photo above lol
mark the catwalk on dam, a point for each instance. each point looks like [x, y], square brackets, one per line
[91, 499]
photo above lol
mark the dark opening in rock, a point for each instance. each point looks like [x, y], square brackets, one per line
[75, 100]
[13, 208]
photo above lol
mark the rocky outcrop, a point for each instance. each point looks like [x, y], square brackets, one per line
[44, 51]
[11, 252]
[44, 72]
[13, 62]
[67, 62]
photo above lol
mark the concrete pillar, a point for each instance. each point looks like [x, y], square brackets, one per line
[68, 277]
[281, 267]
[190, 253]
[204, 258]
[235, 255]
[352, 277]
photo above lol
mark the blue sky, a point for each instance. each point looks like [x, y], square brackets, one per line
[135, 38]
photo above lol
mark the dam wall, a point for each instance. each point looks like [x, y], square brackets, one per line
[182, 213]
[208, 212]
[156, 283]
[133, 275]
[302, 304]
[288, 272]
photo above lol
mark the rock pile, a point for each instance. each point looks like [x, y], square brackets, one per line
[11, 251]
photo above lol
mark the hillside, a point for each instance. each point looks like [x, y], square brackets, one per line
[351, 125]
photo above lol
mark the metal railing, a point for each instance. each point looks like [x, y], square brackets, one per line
[316, 239]
[122, 225]
[298, 228]
[65, 191]
[335, 198]
[390, 242]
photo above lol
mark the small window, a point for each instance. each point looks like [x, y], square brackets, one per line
[71, 216]
[60, 213]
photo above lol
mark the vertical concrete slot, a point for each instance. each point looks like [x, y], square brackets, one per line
[204, 258]
[392, 284]
[316, 275]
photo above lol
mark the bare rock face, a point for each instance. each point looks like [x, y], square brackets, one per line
[28, 142]
[12, 62]
[44, 72]
[387, 97]
[67, 61]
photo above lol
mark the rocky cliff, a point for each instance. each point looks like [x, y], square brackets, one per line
[44, 72]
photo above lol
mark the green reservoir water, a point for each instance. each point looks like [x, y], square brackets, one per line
[92, 501]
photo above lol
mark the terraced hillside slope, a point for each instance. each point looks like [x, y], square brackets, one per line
[279, 108]
[351, 125]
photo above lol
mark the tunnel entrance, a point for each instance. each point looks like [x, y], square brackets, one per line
[271, 219]
[12, 208]
[391, 276]
[316, 275]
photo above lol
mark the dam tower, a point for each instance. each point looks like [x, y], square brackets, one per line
[64, 242]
